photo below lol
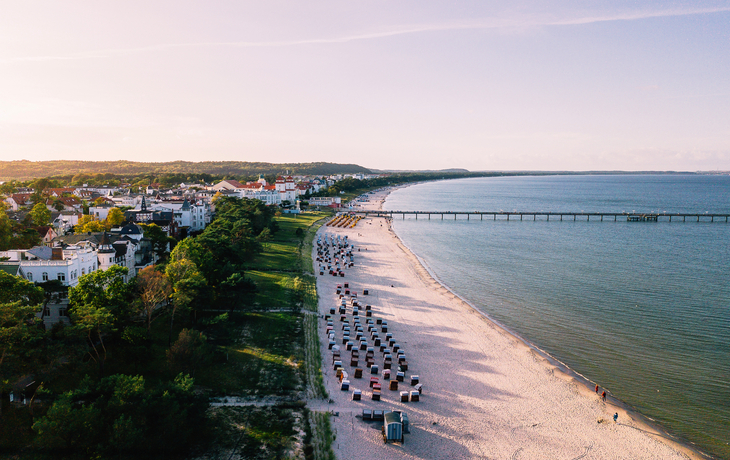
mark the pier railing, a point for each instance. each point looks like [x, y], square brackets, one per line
[557, 215]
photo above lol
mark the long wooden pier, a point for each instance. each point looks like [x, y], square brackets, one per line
[542, 215]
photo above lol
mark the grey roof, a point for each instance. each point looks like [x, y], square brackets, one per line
[121, 248]
[131, 229]
[42, 252]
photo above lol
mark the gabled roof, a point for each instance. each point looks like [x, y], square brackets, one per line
[20, 198]
[233, 183]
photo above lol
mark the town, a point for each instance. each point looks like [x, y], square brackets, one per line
[69, 232]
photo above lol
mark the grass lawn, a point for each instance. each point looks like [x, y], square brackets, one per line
[282, 252]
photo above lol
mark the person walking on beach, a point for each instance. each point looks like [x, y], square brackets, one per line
[596, 389]
[615, 417]
[603, 395]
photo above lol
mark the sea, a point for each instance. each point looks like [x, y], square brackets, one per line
[640, 308]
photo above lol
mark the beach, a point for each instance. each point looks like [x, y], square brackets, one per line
[486, 394]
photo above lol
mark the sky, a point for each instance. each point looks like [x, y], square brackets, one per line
[482, 85]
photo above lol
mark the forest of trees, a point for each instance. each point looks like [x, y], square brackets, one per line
[26, 170]
[112, 385]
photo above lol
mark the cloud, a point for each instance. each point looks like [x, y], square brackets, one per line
[481, 24]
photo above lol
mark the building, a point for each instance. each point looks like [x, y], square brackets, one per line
[65, 265]
[286, 188]
[100, 211]
[144, 215]
[193, 217]
[227, 184]
[331, 201]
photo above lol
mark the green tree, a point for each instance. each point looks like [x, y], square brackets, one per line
[189, 352]
[88, 223]
[97, 306]
[153, 288]
[235, 290]
[6, 230]
[159, 239]
[120, 416]
[114, 218]
[40, 214]
[187, 283]
[20, 334]
[17, 289]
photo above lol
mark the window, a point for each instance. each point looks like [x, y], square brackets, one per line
[30, 277]
[45, 276]
[46, 311]
[62, 312]
[61, 277]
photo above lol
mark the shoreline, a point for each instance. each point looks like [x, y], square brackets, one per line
[652, 426]
[490, 394]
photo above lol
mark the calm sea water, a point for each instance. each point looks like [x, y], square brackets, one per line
[641, 308]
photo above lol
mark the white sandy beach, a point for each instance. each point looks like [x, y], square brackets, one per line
[486, 394]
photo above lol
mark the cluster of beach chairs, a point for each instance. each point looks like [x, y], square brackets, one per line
[361, 336]
[334, 254]
[344, 221]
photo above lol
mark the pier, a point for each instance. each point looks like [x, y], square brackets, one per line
[542, 215]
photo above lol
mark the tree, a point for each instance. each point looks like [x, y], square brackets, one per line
[120, 416]
[97, 304]
[114, 218]
[159, 239]
[19, 335]
[265, 236]
[88, 223]
[40, 214]
[6, 230]
[154, 288]
[235, 290]
[187, 282]
[189, 352]
[17, 289]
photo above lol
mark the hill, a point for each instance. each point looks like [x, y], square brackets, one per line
[25, 170]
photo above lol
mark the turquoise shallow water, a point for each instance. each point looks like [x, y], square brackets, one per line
[641, 308]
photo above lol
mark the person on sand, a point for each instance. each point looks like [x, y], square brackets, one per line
[603, 395]
[596, 389]
[615, 417]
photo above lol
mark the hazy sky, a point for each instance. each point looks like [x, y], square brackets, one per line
[601, 85]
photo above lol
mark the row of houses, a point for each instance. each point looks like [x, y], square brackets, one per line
[73, 256]
[66, 256]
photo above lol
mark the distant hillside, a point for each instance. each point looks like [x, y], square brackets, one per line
[25, 170]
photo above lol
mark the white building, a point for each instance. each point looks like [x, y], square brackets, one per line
[333, 201]
[266, 194]
[195, 217]
[131, 201]
[100, 212]
[286, 188]
[66, 220]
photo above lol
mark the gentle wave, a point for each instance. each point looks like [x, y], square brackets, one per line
[641, 308]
